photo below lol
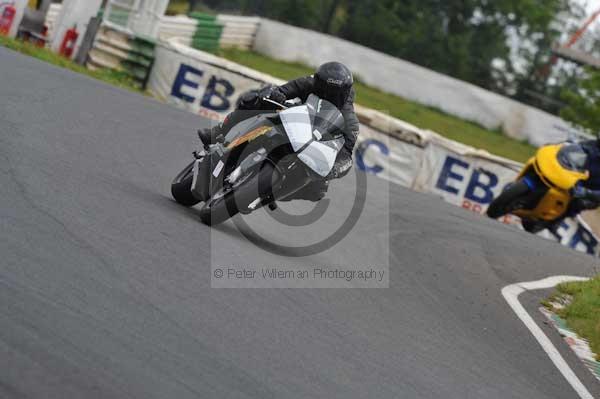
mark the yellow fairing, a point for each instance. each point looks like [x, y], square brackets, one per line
[548, 168]
[559, 181]
[550, 207]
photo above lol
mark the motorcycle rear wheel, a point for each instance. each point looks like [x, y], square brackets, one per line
[505, 203]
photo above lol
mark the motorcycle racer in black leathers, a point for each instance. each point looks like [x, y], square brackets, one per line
[333, 82]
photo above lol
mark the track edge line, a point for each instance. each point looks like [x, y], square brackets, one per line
[511, 295]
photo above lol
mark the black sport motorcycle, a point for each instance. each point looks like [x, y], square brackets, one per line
[265, 158]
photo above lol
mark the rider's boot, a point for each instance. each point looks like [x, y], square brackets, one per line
[534, 226]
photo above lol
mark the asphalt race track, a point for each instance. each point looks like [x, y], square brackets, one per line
[105, 281]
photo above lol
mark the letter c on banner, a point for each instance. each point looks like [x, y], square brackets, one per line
[360, 152]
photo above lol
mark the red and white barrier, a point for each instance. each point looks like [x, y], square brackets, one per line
[11, 14]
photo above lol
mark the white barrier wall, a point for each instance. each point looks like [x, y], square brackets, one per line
[201, 82]
[73, 13]
[407, 80]
[51, 17]
[422, 160]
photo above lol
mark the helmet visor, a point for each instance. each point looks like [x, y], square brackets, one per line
[335, 94]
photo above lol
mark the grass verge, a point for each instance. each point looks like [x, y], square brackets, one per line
[115, 78]
[419, 115]
[583, 312]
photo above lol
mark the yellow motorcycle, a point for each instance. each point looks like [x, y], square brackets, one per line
[541, 193]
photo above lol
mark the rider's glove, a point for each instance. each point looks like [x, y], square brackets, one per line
[341, 167]
[249, 100]
[579, 192]
[273, 93]
[277, 96]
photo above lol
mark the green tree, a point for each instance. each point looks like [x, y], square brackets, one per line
[583, 103]
[501, 45]
[461, 38]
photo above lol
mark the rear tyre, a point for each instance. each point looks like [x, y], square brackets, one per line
[219, 210]
[181, 187]
[505, 203]
[534, 226]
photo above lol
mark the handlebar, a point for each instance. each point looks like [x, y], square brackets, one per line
[275, 103]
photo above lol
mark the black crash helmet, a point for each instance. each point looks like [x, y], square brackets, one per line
[333, 82]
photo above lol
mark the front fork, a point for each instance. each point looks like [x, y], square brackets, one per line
[212, 172]
[200, 183]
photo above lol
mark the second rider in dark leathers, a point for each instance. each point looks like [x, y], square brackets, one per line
[333, 82]
[586, 194]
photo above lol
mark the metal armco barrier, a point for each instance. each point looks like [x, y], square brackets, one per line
[208, 32]
[238, 31]
[115, 49]
[179, 26]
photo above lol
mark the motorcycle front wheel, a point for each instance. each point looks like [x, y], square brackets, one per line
[505, 203]
[181, 187]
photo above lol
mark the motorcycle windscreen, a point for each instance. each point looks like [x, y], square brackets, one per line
[296, 122]
[573, 157]
[325, 117]
[320, 156]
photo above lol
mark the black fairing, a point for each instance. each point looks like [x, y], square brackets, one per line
[325, 118]
[538, 189]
